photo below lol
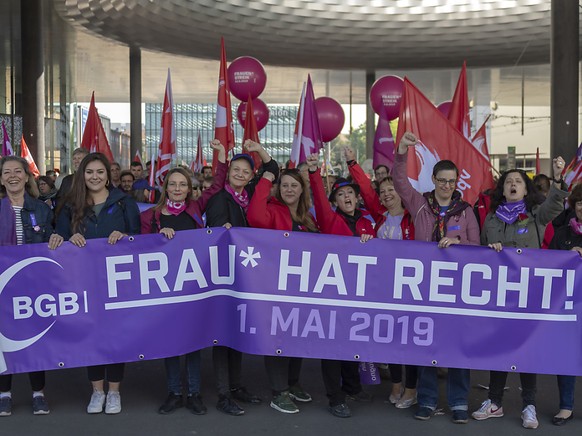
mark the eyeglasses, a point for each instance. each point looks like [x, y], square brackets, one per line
[443, 182]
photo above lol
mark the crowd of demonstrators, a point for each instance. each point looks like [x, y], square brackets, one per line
[99, 201]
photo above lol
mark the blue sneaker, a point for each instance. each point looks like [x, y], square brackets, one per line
[460, 416]
[423, 413]
[5, 406]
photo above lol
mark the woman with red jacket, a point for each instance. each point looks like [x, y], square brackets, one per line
[289, 211]
[341, 378]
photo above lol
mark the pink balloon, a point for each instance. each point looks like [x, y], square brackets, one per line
[331, 118]
[260, 111]
[445, 108]
[246, 75]
[386, 95]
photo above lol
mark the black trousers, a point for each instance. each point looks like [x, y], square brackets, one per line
[340, 377]
[37, 381]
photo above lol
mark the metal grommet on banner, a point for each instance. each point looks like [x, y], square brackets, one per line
[519, 251]
[434, 362]
[286, 234]
[131, 238]
[513, 367]
[141, 357]
[209, 232]
[278, 351]
[215, 341]
[357, 356]
[61, 364]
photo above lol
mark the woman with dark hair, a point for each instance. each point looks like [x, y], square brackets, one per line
[439, 216]
[341, 378]
[289, 211]
[518, 218]
[23, 220]
[228, 208]
[47, 191]
[92, 211]
[175, 211]
[568, 237]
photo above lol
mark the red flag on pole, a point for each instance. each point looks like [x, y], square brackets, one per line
[479, 141]
[459, 112]
[197, 164]
[383, 143]
[137, 158]
[94, 137]
[438, 140]
[573, 172]
[167, 149]
[223, 130]
[251, 132]
[537, 160]
[25, 153]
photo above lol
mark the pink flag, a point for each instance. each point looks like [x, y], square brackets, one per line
[438, 140]
[167, 149]
[307, 138]
[197, 163]
[6, 146]
[459, 112]
[94, 137]
[573, 172]
[223, 130]
[25, 153]
[383, 143]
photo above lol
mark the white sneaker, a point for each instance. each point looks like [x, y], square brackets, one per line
[96, 403]
[487, 410]
[528, 416]
[113, 404]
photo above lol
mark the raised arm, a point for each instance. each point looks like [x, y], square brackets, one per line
[412, 199]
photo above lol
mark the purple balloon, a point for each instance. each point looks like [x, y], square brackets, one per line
[260, 111]
[246, 75]
[386, 95]
[331, 118]
[445, 108]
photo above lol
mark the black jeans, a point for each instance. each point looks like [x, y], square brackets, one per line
[114, 372]
[37, 381]
[227, 369]
[497, 381]
[411, 374]
[340, 377]
[283, 372]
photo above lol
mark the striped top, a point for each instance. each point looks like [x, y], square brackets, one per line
[19, 228]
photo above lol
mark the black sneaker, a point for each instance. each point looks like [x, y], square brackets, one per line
[40, 406]
[195, 404]
[172, 403]
[423, 413]
[241, 394]
[460, 416]
[362, 397]
[341, 410]
[229, 406]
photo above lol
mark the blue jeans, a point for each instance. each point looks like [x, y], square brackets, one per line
[458, 385]
[566, 387]
[174, 376]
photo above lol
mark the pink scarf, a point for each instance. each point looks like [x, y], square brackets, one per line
[241, 199]
[576, 226]
[175, 207]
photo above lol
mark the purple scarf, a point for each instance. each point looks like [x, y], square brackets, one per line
[241, 199]
[7, 223]
[576, 226]
[509, 212]
[175, 207]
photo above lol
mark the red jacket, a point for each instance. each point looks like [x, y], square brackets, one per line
[330, 222]
[375, 207]
[268, 213]
[150, 219]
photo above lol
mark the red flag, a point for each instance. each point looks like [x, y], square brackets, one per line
[94, 137]
[459, 112]
[251, 132]
[307, 137]
[167, 149]
[137, 158]
[223, 130]
[25, 153]
[383, 143]
[573, 172]
[438, 140]
[197, 163]
[537, 160]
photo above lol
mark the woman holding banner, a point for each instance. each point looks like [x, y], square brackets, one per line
[175, 211]
[393, 221]
[341, 378]
[568, 237]
[92, 211]
[518, 218]
[228, 208]
[439, 216]
[23, 220]
[288, 210]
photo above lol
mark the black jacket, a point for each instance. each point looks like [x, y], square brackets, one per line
[565, 239]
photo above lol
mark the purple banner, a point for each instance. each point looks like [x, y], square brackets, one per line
[294, 294]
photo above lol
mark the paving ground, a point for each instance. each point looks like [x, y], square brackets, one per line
[143, 390]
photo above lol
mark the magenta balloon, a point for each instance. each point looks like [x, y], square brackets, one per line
[246, 75]
[445, 108]
[386, 95]
[330, 116]
[260, 110]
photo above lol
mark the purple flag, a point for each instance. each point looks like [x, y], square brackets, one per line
[383, 143]
[307, 138]
[6, 146]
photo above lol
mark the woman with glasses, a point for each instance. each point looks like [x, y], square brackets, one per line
[439, 216]
[518, 218]
[47, 190]
[176, 211]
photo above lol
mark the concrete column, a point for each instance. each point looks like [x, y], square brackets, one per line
[564, 82]
[370, 115]
[33, 79]
[135, 100]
